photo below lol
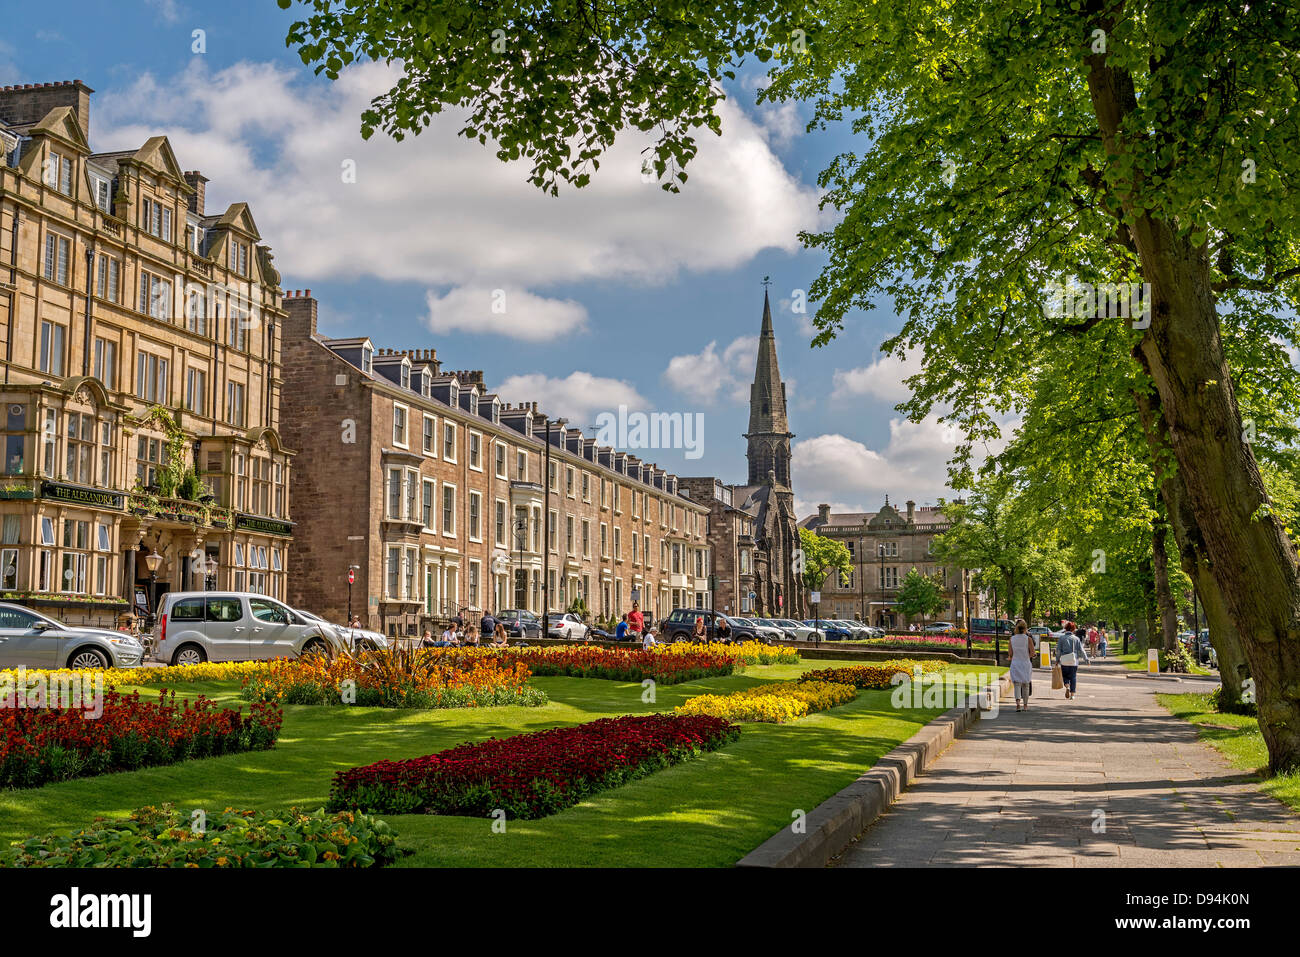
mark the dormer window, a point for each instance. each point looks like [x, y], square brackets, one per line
[528, 426]
[426, 383]
[455, 394]
[496, 412]
[238, 261]
[367, 359]
[58, 173]
[406, 376]
[103, 192]
[473, 403]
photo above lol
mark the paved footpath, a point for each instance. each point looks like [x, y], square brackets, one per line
[1031, 789]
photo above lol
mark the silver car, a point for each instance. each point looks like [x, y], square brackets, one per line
[359, 638]
[565, 625]
[198, 626]
[34, 640]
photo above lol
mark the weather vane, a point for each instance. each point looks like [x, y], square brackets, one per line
[767, 281]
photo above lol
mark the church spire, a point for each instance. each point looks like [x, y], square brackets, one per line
[769, 429]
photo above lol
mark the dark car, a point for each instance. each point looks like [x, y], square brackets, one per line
[520, 623]
[680, 626]
[831, 631]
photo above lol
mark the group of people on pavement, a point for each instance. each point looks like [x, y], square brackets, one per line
[489, 633]
[633, 627]
[1068, 655]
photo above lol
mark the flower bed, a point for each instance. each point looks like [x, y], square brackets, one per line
[757, 653]
[395, 679]
[925, 643]
[530, 775]
[149, 677]
[778, 702]
[55, 744]
[666, 664]
[876, 675]
[163, 837]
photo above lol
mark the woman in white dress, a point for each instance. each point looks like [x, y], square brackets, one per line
[1022, 663]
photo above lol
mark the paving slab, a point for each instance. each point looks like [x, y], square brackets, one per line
[1108, 779]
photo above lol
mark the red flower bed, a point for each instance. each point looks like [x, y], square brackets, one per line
[38, 745]
[530, 775]
[669, 664]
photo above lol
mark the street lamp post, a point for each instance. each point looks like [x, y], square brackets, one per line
[210, 574]
[546, 520]
[152, 561]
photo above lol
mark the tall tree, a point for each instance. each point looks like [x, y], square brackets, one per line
[1010, 146]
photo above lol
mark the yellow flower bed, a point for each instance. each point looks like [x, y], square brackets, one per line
[151, 677]
[878, 674]
[779, 702]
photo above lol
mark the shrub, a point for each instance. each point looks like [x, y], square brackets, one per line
[776, 702]
[876, 675]
[163, 837]
[530, 775]
[38, 745]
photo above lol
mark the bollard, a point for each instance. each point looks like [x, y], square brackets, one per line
[1153, 661]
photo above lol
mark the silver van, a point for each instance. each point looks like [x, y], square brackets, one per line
[198, 626]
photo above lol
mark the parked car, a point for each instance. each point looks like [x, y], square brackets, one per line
[1205, 652]
[198, 626]
[1038, 631]
[35, 640]
[565, 625]
[520, 623]
[798, 631]
[990, 628]
[766, 633]
[680, 626]
[359, 639]
[862, 630]
[831, 630]
[938, 628]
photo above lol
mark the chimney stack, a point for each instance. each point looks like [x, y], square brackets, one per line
[195, 179]
[300, 323]
[911, 511]
[25, 103]
[824, 514]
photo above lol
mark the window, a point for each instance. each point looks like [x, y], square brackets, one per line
[51, 357]
[107, 278]
[645, 552]
[196, 310]
[568, 539]
[568, 481]
[76, 561]
[405, 376]
[367, 359]
[393, 576]
[155, 218]
[261, 504]
[618, 544]
[449, 510]
[238, 258]
[427, 503]
[586, 486]
[235, 412]
[155, 296]
[79, 448]
[553, 530]
[399, 426]
[586, 538]
[500, 524]
[429, 448]
[9, 567]
[49, 440]
[475, 443]
[196, 390]
[500, 460]
[394, 493]
[412, 496]
[238, 323]
[604, 540]
[448, 442]
[15, 440]
[106, 363]
[148, 459]
[473, 584]
[521, 467]
[551, 471]
[475, 508]
[241, 482]
[152, 379]
[58, 173]
[412, 566]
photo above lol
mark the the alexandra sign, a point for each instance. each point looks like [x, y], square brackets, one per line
[77, 495]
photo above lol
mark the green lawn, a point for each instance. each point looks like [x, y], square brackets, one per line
[706, 812]
[1237, 737]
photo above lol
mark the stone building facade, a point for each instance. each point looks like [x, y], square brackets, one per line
[445, 500]
[141, 349]
[884, 546]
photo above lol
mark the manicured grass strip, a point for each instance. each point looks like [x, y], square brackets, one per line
[1237, 737]
[163, 837]
[530, 775]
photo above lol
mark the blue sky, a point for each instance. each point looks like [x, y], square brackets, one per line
[618, 293]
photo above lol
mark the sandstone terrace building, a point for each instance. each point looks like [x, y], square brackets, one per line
[434, 488]
[126, 303]
[884, 545]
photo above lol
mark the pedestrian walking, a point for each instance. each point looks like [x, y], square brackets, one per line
[1103, 645]
[1022, 664]
[1069, 654]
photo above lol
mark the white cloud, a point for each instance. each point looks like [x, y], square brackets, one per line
[803, 320]
[578, 396]
[167, 10]
[883, 379]
[441, 210]
[848, 475]
[706, 375]
[509, 312]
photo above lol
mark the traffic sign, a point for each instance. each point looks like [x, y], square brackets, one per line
[352, 576]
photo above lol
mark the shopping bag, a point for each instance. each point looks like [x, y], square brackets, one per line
[1058, 680]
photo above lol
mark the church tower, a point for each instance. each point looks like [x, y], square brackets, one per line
[769, 432]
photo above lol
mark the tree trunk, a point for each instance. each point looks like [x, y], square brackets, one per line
[1164, 596]
[1250, 556]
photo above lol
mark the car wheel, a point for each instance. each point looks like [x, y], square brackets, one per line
[315, 646]
[189, 655]
[90, 659]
